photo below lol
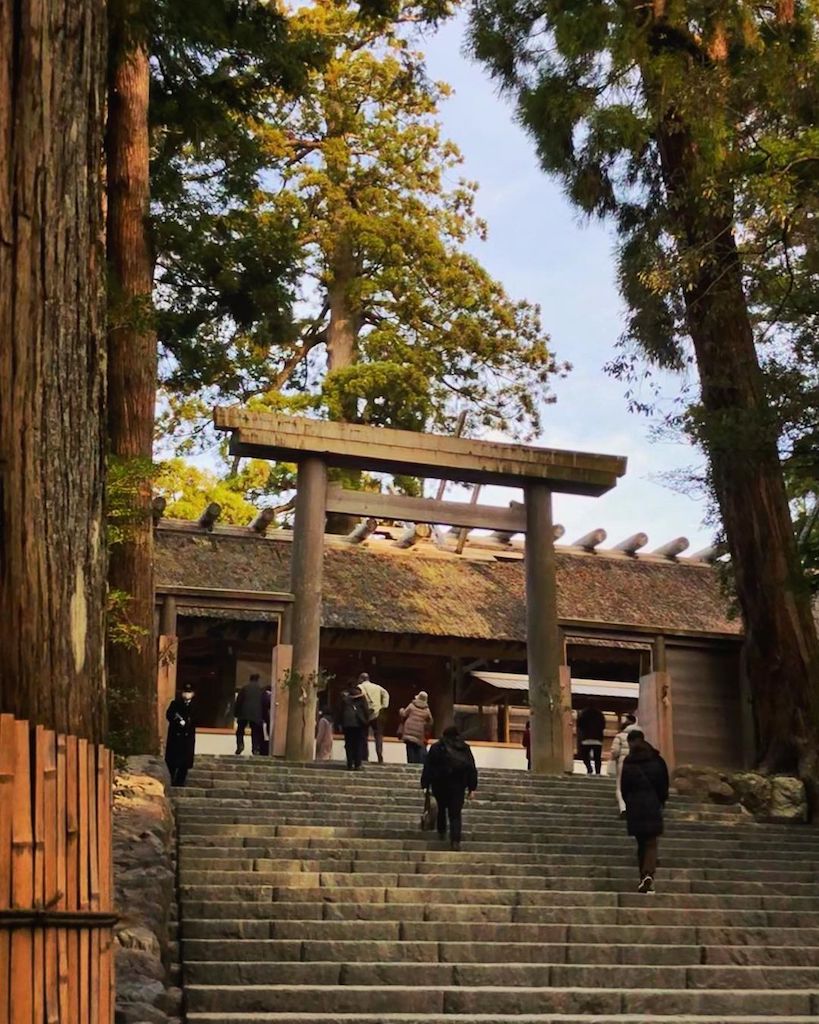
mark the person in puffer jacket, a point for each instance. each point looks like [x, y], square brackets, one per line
[645, 790]
[619, 753]
[416, 724]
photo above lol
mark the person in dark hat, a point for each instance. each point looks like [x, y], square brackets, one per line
[644, 785]
[180, 745]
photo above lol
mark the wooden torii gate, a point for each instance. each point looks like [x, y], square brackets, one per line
[314, 445]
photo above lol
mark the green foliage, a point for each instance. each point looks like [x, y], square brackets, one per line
[223, 255]
[127, 481]
[608, 90]
[358, 193]
[188, 490]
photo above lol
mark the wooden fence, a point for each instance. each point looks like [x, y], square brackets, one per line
[56, 884]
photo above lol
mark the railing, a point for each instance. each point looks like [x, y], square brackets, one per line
[56, 884]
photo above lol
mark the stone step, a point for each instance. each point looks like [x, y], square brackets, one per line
[503, 900]
[368, 880]
[614, 883]
[203, 833]
[595, 872]
[407, 913]
[532, 826]
[561, 1018]
[435, 931]
[308, 895]
[199, 951]
[433, 999]
[514, 975]
[546, 866]
[557, 839]
[203, 796]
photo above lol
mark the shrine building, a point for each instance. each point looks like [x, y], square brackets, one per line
[424, 609]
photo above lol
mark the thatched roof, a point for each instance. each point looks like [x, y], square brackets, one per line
[423, 592]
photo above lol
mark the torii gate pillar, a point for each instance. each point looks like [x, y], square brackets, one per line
[306, 570]
[543, 646]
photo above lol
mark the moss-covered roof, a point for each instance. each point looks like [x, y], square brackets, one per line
[421, 592]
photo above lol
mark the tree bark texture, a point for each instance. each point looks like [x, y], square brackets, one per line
[52, 364]
[740, 438]
[342, 341]
[342, 330]
[132, 370]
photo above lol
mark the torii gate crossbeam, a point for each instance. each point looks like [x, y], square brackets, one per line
[316, 444]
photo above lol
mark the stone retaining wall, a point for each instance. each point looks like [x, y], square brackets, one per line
[145, 888]
[771, 798]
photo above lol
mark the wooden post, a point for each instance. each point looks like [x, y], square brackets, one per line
[306, 574]
[542, 637]
[168, 655]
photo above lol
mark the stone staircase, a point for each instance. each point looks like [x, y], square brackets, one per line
[308, 896]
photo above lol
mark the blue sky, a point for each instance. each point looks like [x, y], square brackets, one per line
[541, 250]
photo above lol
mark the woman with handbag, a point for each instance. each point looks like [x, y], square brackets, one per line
[416, 724]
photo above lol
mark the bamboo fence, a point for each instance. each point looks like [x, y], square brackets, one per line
[56, 881]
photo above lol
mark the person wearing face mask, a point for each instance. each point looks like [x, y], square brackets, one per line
[181, 743]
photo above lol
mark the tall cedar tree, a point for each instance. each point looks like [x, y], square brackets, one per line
[52, 365]
[684, 122]
[132, 370]
[176, 73]
[397, 323]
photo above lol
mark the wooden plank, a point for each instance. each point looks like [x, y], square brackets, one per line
[425, 510]
[72, 873]
[104, 839]
[38, 934]
[84, 895]
[62, 881]
[53, 825]
[93, 886]
[7, 761]
[22, 880]
[289, 438]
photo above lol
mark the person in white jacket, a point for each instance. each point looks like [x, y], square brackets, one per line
[618, 754]
[378, 700]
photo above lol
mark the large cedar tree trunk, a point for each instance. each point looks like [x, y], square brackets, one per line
[342, 337]
[132, 369]
[52, 364]
[740, 437]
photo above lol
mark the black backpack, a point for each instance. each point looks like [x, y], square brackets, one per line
[457, 761]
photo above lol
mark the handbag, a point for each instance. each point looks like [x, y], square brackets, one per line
[429, 815]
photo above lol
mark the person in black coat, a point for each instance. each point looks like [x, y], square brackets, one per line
[644, 784]
[249, 711]
[450, 772]
[180, 746]
[591, 727]
[353, 716]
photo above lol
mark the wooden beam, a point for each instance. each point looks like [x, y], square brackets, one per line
[263, 519]
[631, 545]
[379, 449]
[672, 548]
[399, 508]
[210, 515]
[589, 541]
